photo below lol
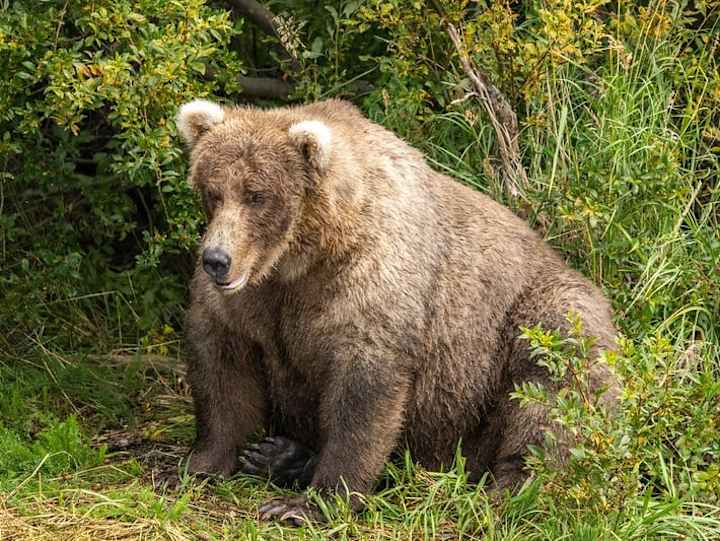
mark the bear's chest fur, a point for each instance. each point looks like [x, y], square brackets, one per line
[297, 333]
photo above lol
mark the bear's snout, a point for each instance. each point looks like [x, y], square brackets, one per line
[216, 263]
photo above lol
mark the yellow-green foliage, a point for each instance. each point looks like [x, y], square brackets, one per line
[88, 148]
[618, 106]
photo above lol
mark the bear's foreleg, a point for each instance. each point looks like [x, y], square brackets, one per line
[227, 393]
[361, 417]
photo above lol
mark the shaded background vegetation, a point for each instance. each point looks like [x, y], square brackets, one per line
[619, 111]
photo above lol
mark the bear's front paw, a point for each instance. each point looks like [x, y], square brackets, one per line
[212, 462]
[280, 459]
[295, 511]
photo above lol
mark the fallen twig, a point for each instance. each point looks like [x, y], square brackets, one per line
[160, 363]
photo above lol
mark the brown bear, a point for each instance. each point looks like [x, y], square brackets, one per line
[353, 302]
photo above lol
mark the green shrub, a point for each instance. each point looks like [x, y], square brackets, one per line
[660, 443]
[93, 176]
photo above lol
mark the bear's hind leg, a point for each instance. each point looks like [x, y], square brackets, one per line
[518, 426]
[521, 425]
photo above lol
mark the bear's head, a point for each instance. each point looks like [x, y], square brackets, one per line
[253, 170]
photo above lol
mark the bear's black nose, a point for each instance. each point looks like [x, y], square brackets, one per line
[216, 263]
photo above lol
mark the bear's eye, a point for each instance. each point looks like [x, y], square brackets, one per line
[212, 200]
[255, 199]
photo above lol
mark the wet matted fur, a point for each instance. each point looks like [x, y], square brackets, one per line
[379, 302]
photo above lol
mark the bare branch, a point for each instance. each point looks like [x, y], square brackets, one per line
[258, 14]
[267, 22]
[498, 109]
[258, 87]
[501, 116]
[264, 87]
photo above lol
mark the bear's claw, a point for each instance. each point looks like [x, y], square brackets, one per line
[295, 511]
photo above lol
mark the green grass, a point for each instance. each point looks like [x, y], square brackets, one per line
[624, 182]
[60, 482]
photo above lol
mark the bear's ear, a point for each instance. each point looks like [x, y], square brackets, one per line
[314, 139]
[197, 117]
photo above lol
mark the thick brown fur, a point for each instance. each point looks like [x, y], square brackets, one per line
[383, 307]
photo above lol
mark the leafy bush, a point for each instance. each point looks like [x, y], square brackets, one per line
[661, 443]
[93, 177]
